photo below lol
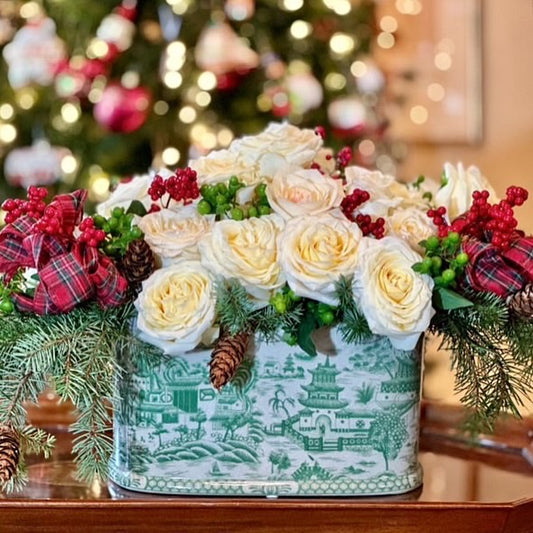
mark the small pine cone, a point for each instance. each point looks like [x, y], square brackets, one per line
[521, 302]
[138, 262]
[226, 357]
[9, 453]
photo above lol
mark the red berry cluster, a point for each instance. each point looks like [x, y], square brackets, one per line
[344, 157]
[349, 205]
[51, 222]
[375, 228]
[321, 131]
[33, 207]
[492, 223]
[90, 234]
[352, 201]
[181, 187]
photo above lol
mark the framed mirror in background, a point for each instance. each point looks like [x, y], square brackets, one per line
[431, 52]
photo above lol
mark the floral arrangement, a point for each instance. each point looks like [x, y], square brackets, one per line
[275, 236]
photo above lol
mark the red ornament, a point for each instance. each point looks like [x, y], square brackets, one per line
[121, 109]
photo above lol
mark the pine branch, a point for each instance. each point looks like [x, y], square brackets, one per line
[269, 324]
[234, 308]
[353, 325]
[492, 370]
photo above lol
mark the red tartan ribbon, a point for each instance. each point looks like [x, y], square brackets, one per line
[69, 272]
[502, 273]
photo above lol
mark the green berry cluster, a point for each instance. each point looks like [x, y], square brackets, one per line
[284, 300]
[6, 290]
[220, 199]
[120, 231]
[443, 259]
[325, 314]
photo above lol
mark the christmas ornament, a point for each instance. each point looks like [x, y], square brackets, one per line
[348, 117]
[122, 109]
[226, 357]
[221, 51]
[9, 454]
[521, 302]
[370, 79]
[138, 263]
[39, 164]
[117, 29]
[305, 92]
[34, 54]
[239, 9]
[75, 77]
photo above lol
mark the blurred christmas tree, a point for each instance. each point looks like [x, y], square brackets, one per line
[91, 91]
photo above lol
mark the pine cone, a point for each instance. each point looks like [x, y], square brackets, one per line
[9, 453]
[521, 302]
[226, 357]
[138, 262]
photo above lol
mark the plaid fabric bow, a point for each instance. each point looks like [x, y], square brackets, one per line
[502, 273]
[69, 272]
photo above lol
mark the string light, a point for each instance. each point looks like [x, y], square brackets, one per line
[386, 40]
[161, 108]
[170, 156]
[6, 111]
[436, 92]
[69, 164]
[388, 24]
[8, 133]
[358, 69]
[26, 98]
[207, 81]
[300, 29]
[203, 99]
[418, 114]
[30, 10]
[225, 136]
[292, 5]
[187, 114]
[443, 61]
[367, 147]
[70, 113]
[97, 48]
[335, 81]
[342, 43]
[172, 80]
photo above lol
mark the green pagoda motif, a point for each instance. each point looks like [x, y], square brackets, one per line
[323, 391]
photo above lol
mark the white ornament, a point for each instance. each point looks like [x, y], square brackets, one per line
[372, 81]
[38, 165]
[220, 50]
[33, 54]
[117, 30]
[305, 92]
[347, 113]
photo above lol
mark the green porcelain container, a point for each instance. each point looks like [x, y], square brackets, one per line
[343, 423]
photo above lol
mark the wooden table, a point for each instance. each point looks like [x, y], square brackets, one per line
[453, 498]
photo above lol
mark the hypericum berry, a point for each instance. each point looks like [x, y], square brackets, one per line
[7, 306]
[352, 201]
[344, 157]
[321, 131]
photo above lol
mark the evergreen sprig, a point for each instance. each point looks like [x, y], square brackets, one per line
[77, 354]
[353, 325]
[234, 308]
[491, 358]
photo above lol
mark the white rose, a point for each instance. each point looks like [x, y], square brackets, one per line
[220, 165]
[395, 300]
[175, 234]
[378, 185]
[325, 159]
[246, 250]
[278, 147]
[125, 193]
[315, 250]
[303, 192]
[176, 307]
[412, 225]
[456, 195]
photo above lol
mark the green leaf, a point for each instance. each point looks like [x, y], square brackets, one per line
[137, 208]
[446, 299]
[306, 327]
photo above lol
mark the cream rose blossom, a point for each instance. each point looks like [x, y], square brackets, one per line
[378, 185]
[315, 250]
[456, 195]
[176, 307]
[412, 225]
[125, 193]
[395, 300]
[303, 192]
[221, 165]
[278, 147]
[174, 235]
[246, 250]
